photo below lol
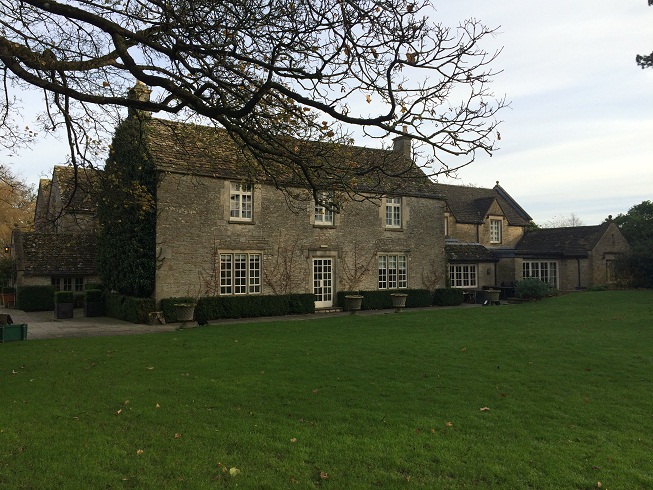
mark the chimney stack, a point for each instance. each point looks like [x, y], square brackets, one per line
[139, 92]
[401, 144]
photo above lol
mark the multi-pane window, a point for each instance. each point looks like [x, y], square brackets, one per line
[463, 275]
[75, 284]
[240, 273]
[393, 272]
[324, 215]
[393, 212]
[495, 231]
[240, 201]
[544, 271]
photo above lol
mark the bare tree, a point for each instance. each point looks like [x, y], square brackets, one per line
[563, 222]
[17, 200]
[270, 72]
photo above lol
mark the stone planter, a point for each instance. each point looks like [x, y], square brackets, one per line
[492, 297]
[94, 308]
[398, 301]
[63, 310]
[13, 332]
[185, 313]
[353, 303]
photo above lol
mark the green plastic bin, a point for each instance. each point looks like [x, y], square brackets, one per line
[13, 332]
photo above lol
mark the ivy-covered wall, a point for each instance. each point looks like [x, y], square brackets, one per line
[127, 213]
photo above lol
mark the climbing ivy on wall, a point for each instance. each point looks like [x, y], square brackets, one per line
[127, 213]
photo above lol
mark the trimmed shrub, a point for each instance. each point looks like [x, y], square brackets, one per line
[93, 285]
[8, 290]
[448, 297]
[216, 307]
[532, 288]
[167, 306]
[129, 308]
[35, 298]
[63, 297]
[93, 295]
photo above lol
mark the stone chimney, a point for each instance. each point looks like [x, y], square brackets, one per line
[140, 92]
[401, 144]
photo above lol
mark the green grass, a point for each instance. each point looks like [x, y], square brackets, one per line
[352, 402]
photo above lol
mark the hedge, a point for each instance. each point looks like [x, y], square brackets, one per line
[93, 295]
[380, 300]
[129, 308]
[448, 297]
[35, 298]
[216, 307]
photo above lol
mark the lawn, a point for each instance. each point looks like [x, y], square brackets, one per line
[555, 394]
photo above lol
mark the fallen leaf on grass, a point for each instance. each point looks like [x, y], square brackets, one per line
[315, 391]
[324, 475]
[485, 409]
[293, 440]
[139, 452]
[177, 435]
[450, 424]
[119, 412]
[234, 471]
[158, 406]
[464, 349]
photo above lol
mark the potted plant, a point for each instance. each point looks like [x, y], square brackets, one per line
[63, 304]
[353, 302]
[93, 302]
[398, 301]
[8, 296]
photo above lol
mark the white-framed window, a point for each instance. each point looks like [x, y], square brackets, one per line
[545, 271]
[322, 214]
[75, 284]
[240, 273]
[393, 212]
[495, 230]
[240, 201]
[463, 275]
[393, 272]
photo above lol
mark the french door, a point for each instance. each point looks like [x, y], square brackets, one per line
[323, 282]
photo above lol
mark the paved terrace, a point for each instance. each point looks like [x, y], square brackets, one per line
[42, 325]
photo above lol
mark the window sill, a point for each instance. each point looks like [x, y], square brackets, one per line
[241, 221]
[326, 227]
[393, 228]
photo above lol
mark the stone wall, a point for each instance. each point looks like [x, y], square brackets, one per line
[194, 227]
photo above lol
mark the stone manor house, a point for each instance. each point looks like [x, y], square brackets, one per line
[221, 232]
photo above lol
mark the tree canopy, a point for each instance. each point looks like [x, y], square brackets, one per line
[637, 224]
[17, 201]
[269, 71]
[645, 61]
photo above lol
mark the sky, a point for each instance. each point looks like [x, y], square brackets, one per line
[578, 136]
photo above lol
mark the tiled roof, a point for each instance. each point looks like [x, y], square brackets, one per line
[45, 254]
[81, 192]
[574, 241]
[467, 252]
[203, 150]
[472, 204]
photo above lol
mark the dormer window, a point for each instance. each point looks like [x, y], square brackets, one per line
[495, 230]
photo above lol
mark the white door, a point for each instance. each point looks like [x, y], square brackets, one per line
[323, 282]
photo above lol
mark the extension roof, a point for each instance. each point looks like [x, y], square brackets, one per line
[574, 241]
[208, 151]
[47, 254]
[467, 252]
[472, 204]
